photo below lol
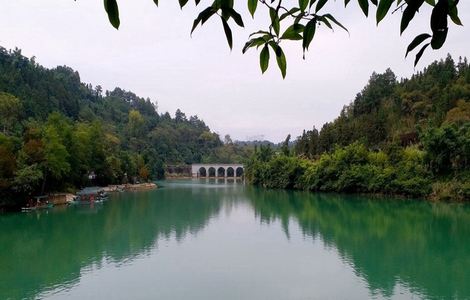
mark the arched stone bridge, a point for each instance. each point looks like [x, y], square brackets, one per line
[218, 170]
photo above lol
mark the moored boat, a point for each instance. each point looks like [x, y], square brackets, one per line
[39, 202]
[90, 195]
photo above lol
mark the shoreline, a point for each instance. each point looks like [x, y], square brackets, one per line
[64, 198]
[130, 187]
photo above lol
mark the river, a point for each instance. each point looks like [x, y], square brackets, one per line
[224, 240]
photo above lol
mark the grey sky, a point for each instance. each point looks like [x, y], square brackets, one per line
[153, 55]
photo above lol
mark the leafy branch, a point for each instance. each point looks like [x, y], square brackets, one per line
[306, 16]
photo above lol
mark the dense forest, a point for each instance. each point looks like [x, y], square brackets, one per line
[408, 136]
[57, 132]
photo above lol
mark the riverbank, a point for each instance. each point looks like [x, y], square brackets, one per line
[130, 187]
[354, 169]
[63, 198]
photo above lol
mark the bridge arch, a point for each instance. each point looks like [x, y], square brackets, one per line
[221, 172]
[211, 172]
[202, 172]
[218, 170]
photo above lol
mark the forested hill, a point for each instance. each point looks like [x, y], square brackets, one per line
[56, 130]
[391, 111]
[408, 136]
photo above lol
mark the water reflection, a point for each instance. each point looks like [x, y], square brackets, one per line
[42, 250]
[424, 247]
[418, 247]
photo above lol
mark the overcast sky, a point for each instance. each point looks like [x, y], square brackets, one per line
[153, 55]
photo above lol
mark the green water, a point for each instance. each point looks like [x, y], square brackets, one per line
[193, 240]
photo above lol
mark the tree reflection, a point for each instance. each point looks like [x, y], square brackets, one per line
[42, 250]
[424, 246]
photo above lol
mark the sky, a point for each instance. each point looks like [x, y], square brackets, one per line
[153, 55]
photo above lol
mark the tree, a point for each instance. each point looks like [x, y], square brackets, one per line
[285, 146]
[180, 116]
[305, 17]
[228, 139]
[10, 108]
[7, 161]
[27, 179]
[459, 114]
[55, 155]
[136, 123]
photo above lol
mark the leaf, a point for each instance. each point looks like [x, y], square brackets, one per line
[420, 53]
[264, 58]
[281, 61]
[364, 4]
[454, 15]
[303, 4]
[320, 4]
[439, 23]
[218, 4]
[293, 32]
[182, 3]
[202, 17]
[156, 2]
[409, 13]
[254, 43]
[259, 32]
[112, 10]
[299, 18]
[439, 16]
[382, 9]
[326, 22]
[431, 2]
[274, 20]
[226, 3]
[329, 16]
[416, 42]
[228, 32]
[438, 39]
[309, 33]
[252, 4]
[206, 14]
[290, 12]
[235, 16]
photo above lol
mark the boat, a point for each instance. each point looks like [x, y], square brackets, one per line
[90, 195]
[39, 202]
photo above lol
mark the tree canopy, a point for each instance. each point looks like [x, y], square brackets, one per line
[55, 131]
[299, 20]
[408, 137]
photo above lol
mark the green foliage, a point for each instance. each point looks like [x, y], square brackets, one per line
[55, 154]
[112, 10]
[447, 148]
[303, 18]
[27, 179]
[282, 172]
[285, 146]
[456, 189]
[57, 131]
[353, 168]
[10, 108]
[387, 111]
[394, 138]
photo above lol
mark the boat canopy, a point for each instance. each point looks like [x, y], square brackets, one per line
[90, 191]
